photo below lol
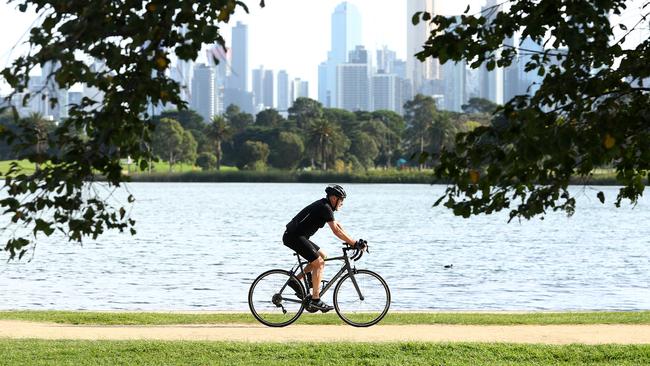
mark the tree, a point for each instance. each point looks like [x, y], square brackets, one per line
[168, 139]
[188, 148]
[269, 118]
[188, 118]
[287, 151]
[131, 43]
[304, 111]
[364, 147]
[37, 129]
[218, 131]
[206, 160]
[479, 105]
[254, 155]
[237, 119]
[383, 138]
[426, 126]
[326, 141]
[591, 109]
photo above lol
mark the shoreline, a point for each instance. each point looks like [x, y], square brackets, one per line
[374, 177]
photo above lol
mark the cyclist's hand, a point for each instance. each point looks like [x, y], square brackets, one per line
[361, 244]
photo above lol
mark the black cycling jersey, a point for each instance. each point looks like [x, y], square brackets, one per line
[311, 218]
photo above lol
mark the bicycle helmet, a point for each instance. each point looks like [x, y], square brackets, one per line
[335, 190]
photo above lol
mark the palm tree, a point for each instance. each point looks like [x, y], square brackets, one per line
[327, 139]
[40, 127]
[218, 131]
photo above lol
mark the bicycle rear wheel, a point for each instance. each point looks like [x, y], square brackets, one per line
[272, 301]
[364, 305]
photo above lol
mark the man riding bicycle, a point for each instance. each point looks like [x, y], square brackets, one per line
[303, 226]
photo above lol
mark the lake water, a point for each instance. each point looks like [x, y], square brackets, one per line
[199, 246]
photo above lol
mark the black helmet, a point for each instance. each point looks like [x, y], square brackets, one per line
[335, 190]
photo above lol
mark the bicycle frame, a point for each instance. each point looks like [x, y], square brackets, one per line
[346, 268]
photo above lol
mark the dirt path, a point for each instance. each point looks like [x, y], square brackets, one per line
[550, 334]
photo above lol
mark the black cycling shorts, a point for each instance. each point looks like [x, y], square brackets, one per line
[301, 245]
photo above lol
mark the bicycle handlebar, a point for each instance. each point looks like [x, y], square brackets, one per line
[357, 252]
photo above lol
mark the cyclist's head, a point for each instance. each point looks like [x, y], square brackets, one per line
[336, 195]
[335, 190]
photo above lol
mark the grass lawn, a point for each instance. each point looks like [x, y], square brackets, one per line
[24, 165]
[78, 353]
[144, 318]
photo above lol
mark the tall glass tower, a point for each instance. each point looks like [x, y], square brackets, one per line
[346, 35]
[239, 75]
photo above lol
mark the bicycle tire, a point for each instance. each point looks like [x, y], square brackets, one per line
[267, 304]
[373, 287]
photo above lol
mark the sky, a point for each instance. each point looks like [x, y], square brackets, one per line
[293, 35]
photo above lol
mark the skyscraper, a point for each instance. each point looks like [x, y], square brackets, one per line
[491, 81]
[454, 85]
[283, 90]
[416, 36]
[353, 82]
[384, 92]
[214, 54]
[385, 60]
[258, 90]
[239, 59]
[267, 88]
[203, 93]
[299, 89]
[528, 81]
[237, 91]
[263, 88]
[346, 34]
[353, 92]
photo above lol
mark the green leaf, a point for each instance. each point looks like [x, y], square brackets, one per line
[415, 19]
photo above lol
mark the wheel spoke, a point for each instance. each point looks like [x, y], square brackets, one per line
[355, 311]
[272, 304]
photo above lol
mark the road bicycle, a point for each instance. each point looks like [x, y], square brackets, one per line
[361, 297]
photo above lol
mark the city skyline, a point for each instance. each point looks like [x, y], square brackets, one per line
[385, 25]
[414, 71]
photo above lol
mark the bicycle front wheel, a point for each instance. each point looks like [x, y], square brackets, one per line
[361, 299]
[272, 301]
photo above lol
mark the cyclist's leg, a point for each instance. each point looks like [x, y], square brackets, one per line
[304, 247]
[308, 267]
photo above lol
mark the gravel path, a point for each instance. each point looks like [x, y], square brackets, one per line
[549, 334]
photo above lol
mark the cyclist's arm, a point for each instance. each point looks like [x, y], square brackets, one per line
[337, 229]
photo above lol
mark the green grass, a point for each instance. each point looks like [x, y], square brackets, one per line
[190, 173]
[24, 166]
[79, 353]
[144, 318]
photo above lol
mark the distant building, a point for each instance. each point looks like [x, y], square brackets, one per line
[283, 90]
[386, 60]
[239, 59]
[299, 89]
[528, 81]
[258, 90]
[385, 89]
[345, 34]
[353, 89]
[203, 91]
[491, 81]
[454, 85]
[222, 73]
[419, 72]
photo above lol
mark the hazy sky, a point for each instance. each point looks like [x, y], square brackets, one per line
[287, 34]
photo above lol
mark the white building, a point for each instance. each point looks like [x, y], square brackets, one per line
[203, 91]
